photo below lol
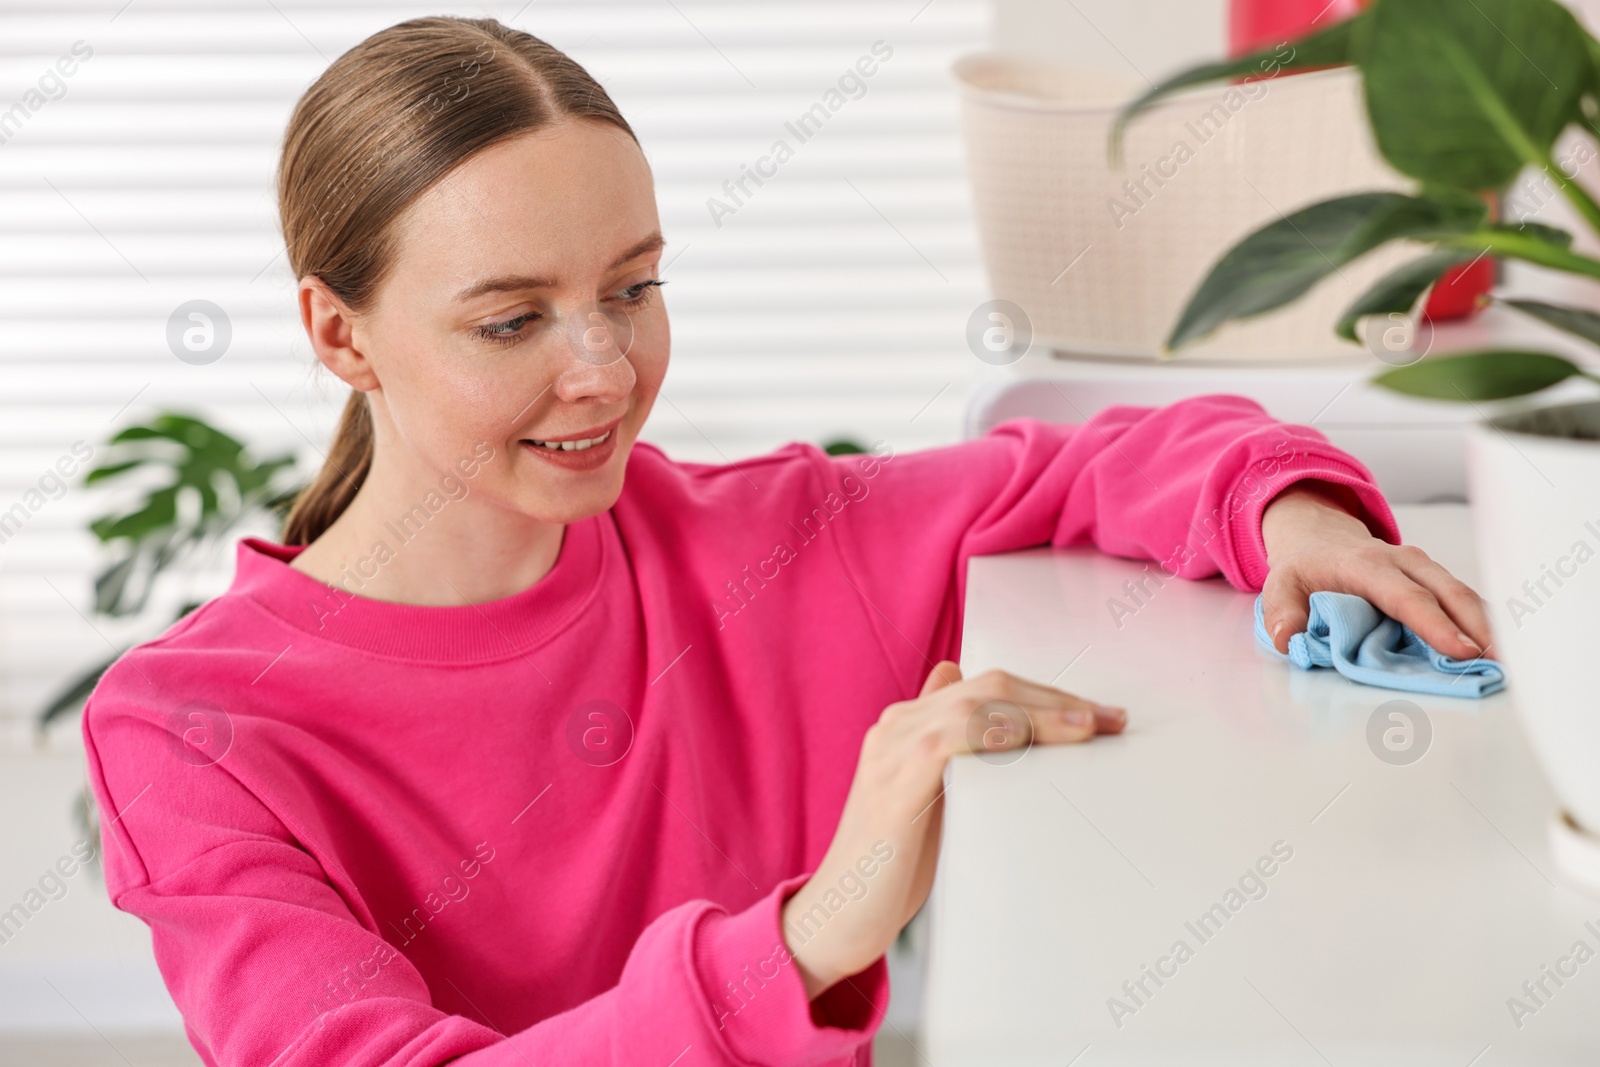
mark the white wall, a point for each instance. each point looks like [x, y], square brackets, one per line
[1147, 38]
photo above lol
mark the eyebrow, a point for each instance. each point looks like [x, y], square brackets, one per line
[511, 282]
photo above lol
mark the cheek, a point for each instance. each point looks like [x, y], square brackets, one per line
[650, 357]
[442, 401]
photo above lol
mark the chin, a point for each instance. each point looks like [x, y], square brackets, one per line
[575, 504]
[556, 495]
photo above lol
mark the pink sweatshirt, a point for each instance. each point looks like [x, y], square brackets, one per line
[558, 828]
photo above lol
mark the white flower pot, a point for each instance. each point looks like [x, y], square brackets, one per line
[1535, 487]
[1102, 257]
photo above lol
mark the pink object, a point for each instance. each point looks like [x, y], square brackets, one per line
[1254, 24]
[558, 827]
[1461, 291]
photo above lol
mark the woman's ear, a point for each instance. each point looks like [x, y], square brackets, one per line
[331, 327]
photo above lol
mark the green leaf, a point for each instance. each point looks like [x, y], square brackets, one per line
[186, 430]
[1543, 245]
[125, 586]
[280, 504]
[110, 470]
[1577, 321]
[136, 433]
[257, 477]
[160, 510]
[1281, 261]
[1466, 94]
[74, 693]
[201, 465]
[201, 460]
[1489, 375]
[1397, 292]
[1538, 231]
[112, 584]
[1331, 47]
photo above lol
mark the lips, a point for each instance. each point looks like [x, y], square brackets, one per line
[581, 444]
[586, 450]
[579, 441]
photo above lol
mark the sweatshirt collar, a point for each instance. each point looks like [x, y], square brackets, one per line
[496, 629]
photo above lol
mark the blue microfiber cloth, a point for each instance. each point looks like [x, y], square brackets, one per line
[1347, 633]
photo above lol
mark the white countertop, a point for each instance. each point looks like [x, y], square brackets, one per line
[1419, 897]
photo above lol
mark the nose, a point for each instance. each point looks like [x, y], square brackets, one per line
[593, 350]
[596, 335]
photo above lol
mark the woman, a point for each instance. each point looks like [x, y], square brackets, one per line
[530, 745]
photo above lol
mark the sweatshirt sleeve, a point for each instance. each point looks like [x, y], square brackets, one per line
[272, 958]
[1183, 485]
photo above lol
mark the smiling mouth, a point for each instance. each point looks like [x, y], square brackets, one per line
[571, 446]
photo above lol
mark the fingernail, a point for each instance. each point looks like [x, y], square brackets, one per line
[1078, 717]
[1277, 628]
[1111, 711]
[1469, 642]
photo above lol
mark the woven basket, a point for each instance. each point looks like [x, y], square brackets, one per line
[1100, 279]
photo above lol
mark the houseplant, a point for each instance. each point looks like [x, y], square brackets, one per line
[1462, 98]
[198, 485]
[192, 484]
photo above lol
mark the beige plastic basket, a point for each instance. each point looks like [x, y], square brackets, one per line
[1103, 259]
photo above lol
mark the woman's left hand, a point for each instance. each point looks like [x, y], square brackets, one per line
[1315, 544]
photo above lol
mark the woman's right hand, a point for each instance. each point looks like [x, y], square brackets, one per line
[879, 868]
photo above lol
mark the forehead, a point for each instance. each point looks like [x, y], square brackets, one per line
[561, 202]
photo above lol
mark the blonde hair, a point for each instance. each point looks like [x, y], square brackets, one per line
[383, 123]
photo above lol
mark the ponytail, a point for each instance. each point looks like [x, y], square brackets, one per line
[335, 485]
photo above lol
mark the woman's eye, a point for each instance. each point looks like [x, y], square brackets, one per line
[637, 295]
[504, 332]
[508, 332]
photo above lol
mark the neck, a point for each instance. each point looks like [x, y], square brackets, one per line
[408, 541]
